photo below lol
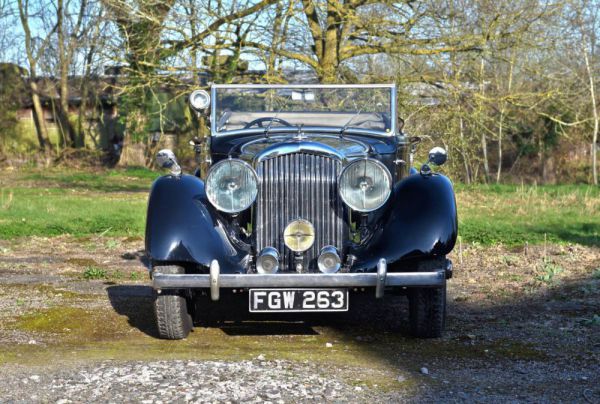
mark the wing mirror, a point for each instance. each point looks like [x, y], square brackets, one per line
[165, 158]
[438, 156]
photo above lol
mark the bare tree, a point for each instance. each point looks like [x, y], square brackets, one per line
[588, 18]
[154, 41]
[69, 32]
[34, 53]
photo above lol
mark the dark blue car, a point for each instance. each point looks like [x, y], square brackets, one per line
[304, 196]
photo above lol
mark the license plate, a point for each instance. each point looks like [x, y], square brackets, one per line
[297, 300]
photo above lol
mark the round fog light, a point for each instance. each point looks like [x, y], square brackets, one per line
[329, 261]
[267, 261]
[299, 235]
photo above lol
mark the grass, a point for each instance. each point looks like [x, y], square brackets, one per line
[549, 272]
[515, 215]
[55, 202]
[113, 202]
[94, 273]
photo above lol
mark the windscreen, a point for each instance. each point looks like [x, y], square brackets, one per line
[251, 107]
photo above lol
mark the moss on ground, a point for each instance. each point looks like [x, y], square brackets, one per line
[102, 333]
[82, 262]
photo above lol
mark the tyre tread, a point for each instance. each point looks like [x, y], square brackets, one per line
[173, 319]
[427, 310]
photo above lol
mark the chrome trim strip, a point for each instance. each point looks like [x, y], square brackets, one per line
[284, 148]
[179, 281]
[288, 137]
[379, 85]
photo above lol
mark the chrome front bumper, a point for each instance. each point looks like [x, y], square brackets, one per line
[215, 280]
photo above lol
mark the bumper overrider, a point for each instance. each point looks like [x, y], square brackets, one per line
[380, 279]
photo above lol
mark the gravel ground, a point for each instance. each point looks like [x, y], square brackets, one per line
[183, 381]
[523, 326]
[282, 381]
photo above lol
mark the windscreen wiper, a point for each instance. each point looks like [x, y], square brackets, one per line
[347, 124]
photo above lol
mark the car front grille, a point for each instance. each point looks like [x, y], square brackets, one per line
[299, 186]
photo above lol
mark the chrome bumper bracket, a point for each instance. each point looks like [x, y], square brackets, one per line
[381, 275]
[214, 277]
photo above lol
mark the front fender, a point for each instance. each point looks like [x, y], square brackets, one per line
[421, 222]
[181, 226]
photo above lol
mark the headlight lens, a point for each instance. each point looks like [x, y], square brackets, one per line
[365, 185]
[231, 185]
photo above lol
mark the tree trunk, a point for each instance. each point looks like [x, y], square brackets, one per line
[500, 135]
[596, 118]
[38, 112]
[330, 61]
[85, 92]
[464, 153]
[501, 123]
[38, 118]
[486, 166]
[64, 59]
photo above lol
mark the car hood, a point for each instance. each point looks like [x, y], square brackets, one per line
[277, 145]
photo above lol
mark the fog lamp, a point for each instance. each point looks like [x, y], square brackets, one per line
[267, 261]
[329, 260]
[299, 235]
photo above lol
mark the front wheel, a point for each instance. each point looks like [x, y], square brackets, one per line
[173, 318]
[427, 311]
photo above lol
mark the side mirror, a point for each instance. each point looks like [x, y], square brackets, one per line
[165, 158]
[438, 156]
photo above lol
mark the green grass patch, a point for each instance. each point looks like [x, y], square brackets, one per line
[549, 273]
[94, 273]
[135, 179]
[55, 202]
[513, 215]
[53, 212]
[113, 202]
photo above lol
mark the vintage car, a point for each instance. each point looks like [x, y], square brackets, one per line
[305, 196]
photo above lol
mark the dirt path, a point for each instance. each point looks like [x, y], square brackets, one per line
[524, 325]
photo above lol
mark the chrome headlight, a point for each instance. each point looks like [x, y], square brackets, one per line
[231, 185]
[199, 100]
[365, 185]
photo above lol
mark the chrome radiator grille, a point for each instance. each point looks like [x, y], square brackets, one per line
[299, 186]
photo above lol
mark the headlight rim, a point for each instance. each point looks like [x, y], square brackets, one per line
[385, 170]
[214, 167]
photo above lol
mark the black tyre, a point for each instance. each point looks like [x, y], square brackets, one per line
[173, 318]
[427, 312]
